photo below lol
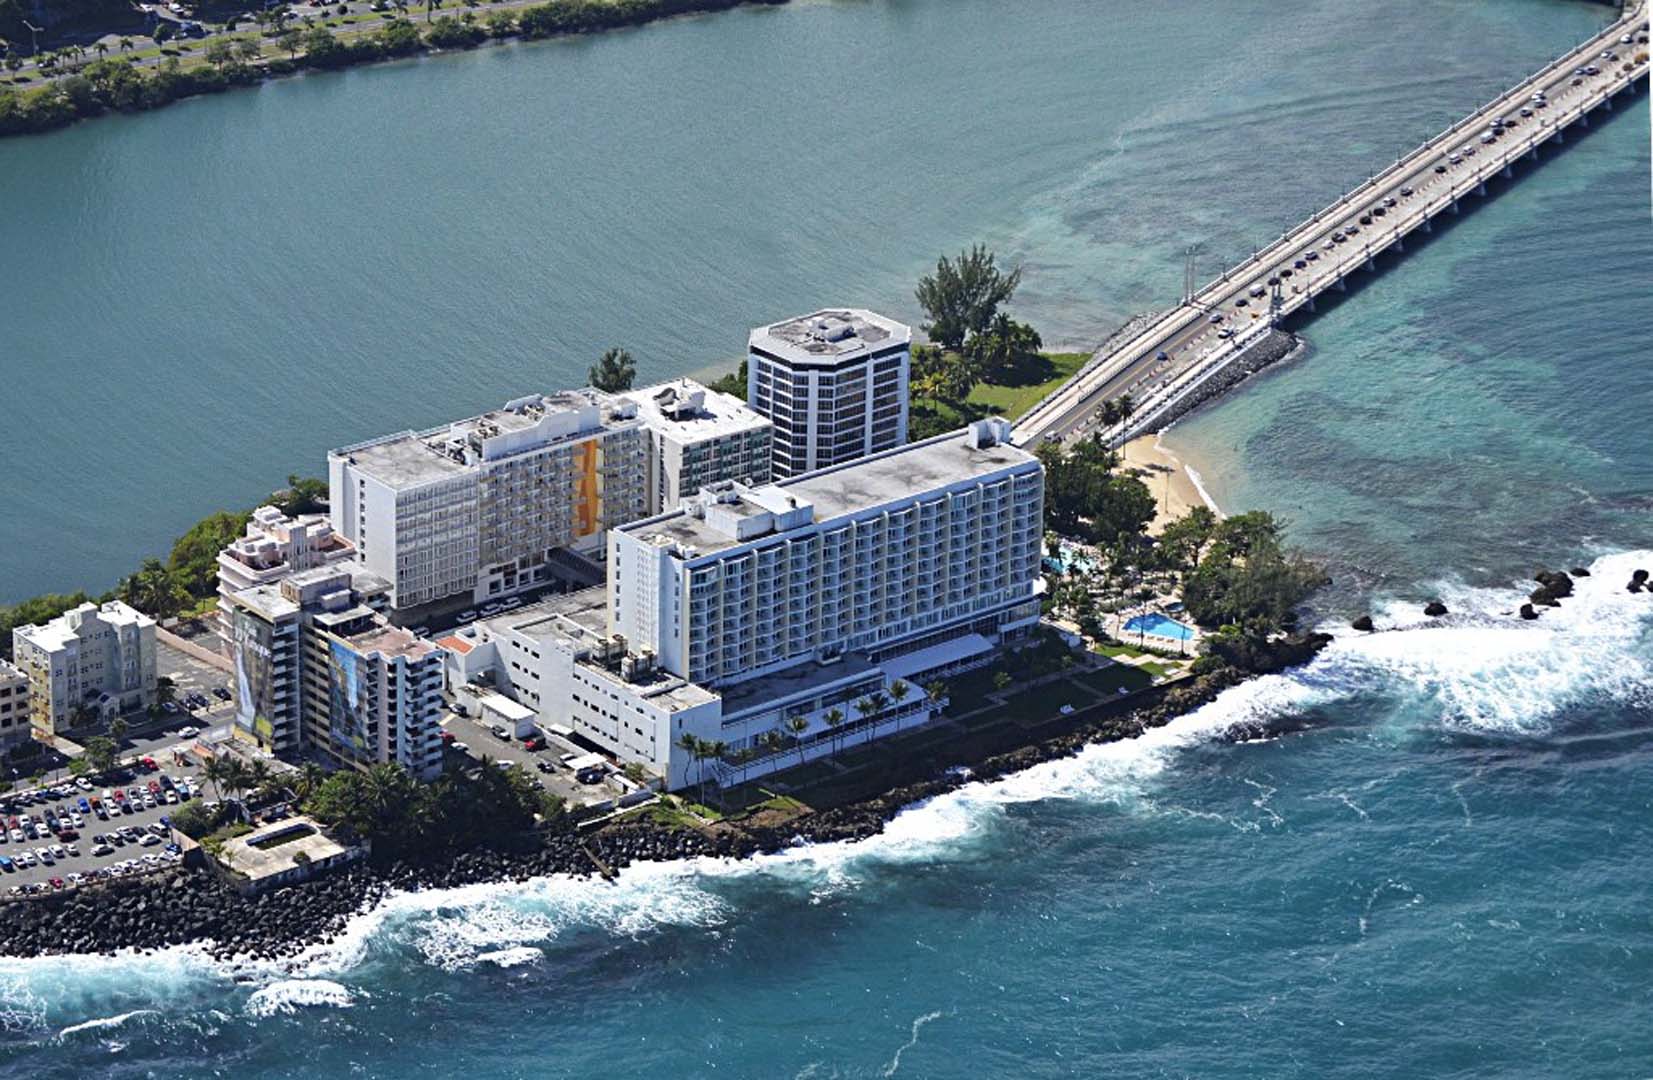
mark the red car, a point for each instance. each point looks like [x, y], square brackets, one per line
[120, 796]
[154, 787]
[447, 738]
[533, 743]
[57, 883]
[148, 763]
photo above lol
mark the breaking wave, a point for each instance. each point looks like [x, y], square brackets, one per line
[1479, 669]
[290, 995]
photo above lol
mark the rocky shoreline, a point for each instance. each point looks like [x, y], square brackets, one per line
[185, 906]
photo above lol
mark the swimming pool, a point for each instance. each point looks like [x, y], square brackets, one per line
[1160, 626]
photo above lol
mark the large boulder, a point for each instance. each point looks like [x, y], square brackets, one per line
[1552, 588]
[1579, 571]
[1434, 609]
[1528, 612]
[1638, 580]
[1364, 623]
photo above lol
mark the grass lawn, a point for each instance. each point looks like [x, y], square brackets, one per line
[1110, 680]
[1012, 401]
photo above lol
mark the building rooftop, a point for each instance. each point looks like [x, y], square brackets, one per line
[689, 412]
[392, 642]
[61, 631]
[411, 459]
[269, 851]
[830, 336]
[846, 490]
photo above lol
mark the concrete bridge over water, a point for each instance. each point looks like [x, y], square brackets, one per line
[1165, 365]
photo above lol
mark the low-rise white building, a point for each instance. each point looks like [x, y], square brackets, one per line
[784, 622]
[92, 662]
[698, 437]
[15, 726]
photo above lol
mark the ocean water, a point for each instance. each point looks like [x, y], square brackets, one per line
[202, 300]
[1439, 867]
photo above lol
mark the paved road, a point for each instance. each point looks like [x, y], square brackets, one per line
[1317, 255]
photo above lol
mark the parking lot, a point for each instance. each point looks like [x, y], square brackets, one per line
[479, 741]
[78, 855]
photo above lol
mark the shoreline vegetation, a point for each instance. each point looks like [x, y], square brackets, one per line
[113, 84]
[195, 907]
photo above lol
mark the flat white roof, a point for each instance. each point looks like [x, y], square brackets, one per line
[665, 408]
[830, 336]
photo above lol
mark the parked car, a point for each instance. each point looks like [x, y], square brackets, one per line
[189, 731]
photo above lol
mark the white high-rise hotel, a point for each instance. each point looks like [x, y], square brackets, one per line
[753, 606]
[476, 508]
[835, 385]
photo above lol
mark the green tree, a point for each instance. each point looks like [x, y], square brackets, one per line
[101, 752]
[308, 780]
[833, 719]
[248, 49]
[117, 729]
[193, 560]
[1007, 352]
[962, 297]
[1002, 680]
[219, 52]
[193, 820]
[162, 31]
[79, 766]
[797, 724]
[291, 41]
[154, 590]
[613, 371]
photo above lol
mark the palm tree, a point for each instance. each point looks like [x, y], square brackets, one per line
[126, 44]
[259, 776]
[310, 777]
[935, 689]
[216, 774]
[613, 371]
[867, 707]
[797, 724]
[693, 746]
[898, 693]
[102, 48]
[1126, 408]
[117, 729]
[833, 718]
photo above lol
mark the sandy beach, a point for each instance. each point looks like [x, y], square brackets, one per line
[1175, 491]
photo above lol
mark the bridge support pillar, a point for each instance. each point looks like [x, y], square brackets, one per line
[1311, 302]
[1508, 172]
[1400, 243]
[1583, 119]
[1607, 102]
[1370, 265]
[1453, 206]
[1428, 224]
[1340, 285]
[1481, 188]
[1533, 153]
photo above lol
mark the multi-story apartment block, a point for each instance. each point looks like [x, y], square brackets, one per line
[91, 661]
[275, 546]
[15, 727]
[320, 670]
[698, 437]
[835, 385]
[832, 597]
[475, 509]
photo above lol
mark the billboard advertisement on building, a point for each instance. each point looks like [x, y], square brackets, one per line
[349, 713]
[254, 677]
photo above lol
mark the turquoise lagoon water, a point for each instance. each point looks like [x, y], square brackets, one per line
[1438, 867]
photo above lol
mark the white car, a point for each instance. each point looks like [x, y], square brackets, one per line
[26, 859]
[17, 836]
[171, 795]
[44, 855]
[83, 784]
[149, 840]
[189, 731]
